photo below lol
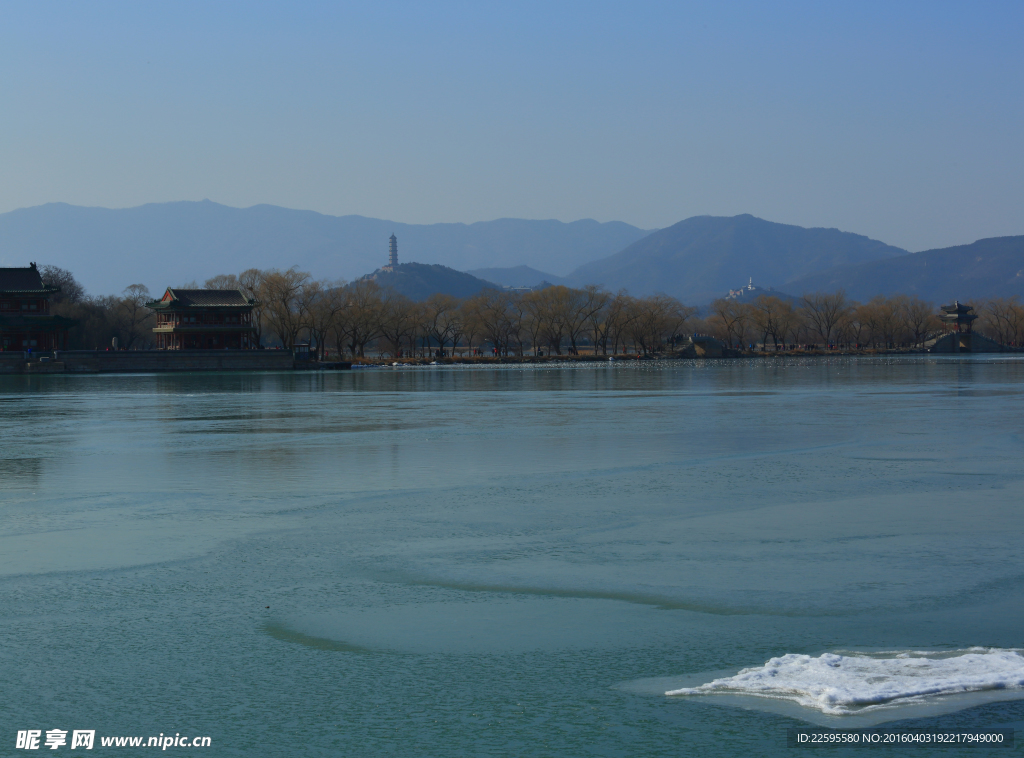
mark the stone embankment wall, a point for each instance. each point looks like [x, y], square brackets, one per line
[12, 362]
[118, 361]
[128, 361]
[965, 342]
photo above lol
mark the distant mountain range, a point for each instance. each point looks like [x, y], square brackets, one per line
[164, 244]
[697, 260]
[418, 281]
[987, 268]
[702, 258]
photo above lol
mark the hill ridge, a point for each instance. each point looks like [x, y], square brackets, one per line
[703, 257]
[418, 281]
[989, 267]
[162, 244]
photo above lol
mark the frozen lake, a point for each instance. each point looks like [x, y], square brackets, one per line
[512, 561]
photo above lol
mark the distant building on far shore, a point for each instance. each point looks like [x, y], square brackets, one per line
[958, 322]
[204, 320]
[25, 320]
[748, 292]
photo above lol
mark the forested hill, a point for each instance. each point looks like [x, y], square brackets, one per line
[418, 281]
[991, 267]
[164, 244]
[702, 258]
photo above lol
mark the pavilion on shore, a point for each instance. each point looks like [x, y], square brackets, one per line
[205, 319]
[26, 323]
[958, 320]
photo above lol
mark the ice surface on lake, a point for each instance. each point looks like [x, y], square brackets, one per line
[846, 684]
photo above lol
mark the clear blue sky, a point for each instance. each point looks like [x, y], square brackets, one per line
[903, 121]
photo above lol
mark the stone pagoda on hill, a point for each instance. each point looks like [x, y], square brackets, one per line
[392, 254]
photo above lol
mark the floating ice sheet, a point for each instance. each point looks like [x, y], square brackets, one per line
[839, 684]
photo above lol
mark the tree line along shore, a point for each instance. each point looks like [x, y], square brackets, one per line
[364, 322]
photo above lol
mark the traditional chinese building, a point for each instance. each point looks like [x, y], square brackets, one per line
[204, 320]
[957, 317]
[960, 337]
[25, 319]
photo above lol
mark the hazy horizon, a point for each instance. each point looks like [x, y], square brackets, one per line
[895, 122]
[398, 221]
[322, 213]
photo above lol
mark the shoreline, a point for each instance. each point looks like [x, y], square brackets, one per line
[728, 354]
[129, 362]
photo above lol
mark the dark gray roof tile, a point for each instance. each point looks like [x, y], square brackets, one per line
[25, 279]
[208, 298]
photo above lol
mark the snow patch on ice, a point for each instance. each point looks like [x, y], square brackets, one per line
[839, 685]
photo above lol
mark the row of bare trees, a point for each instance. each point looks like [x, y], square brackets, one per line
[829, 319]
[833, 319]
[1002, 319]
[362, 317]
[105, 321]
[352, 319]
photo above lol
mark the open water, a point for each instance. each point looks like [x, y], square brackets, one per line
[514, 561]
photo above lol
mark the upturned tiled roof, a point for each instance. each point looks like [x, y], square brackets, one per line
[203, 299]
[25, 279]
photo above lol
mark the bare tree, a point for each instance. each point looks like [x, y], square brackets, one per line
[281, 292]
[70, 291]
[858, 325]
[598, 320]
[442, 320]
[493, 310]
[824, 312]
[884, 320]
[919, 317]
[550, 307]
[533, 317]
[1002, 318]
[325, 302]
[675, 317]
[250, 282]
[470, 320]
[134, 318]
[1015, 322]
[398, 316]
[762, 315]
[515, 323]
[578, 308]
[222, 282]
[616, 320]
[647, 322]
[364, 314]
[729, 318]
[773, 318]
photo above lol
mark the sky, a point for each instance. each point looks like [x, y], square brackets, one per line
[902, 121]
